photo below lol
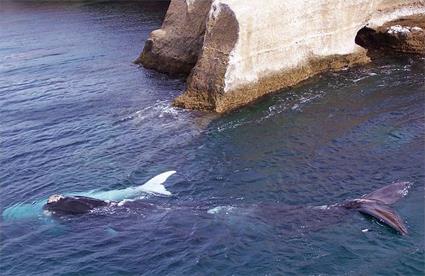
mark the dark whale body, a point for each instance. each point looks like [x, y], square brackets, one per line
[376, 204]
[73, 205]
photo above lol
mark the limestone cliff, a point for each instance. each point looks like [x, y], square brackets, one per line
[239, 50]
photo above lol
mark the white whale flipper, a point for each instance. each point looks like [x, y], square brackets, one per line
[156, 184]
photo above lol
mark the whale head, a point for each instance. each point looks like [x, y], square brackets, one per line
[72, 205]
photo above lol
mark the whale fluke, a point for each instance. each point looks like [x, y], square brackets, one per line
[376, 204]
[385, 214]
[390, 193]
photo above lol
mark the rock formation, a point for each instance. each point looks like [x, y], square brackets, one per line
[240, 50]
[404, 35]
[175, 48]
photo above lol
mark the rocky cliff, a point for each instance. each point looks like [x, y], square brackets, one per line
[176, 46]
[236, 51]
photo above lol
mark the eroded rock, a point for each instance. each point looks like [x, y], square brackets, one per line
[404, 35]
[240, 50]
[175, 48]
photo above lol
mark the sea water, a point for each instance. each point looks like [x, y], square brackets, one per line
[76, 115]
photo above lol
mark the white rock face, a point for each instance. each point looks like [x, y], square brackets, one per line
[288, 33]
[250, 46]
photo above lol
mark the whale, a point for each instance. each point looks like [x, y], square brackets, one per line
[376, 204]
[83, 202]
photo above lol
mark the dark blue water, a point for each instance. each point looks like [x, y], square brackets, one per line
[77, 115]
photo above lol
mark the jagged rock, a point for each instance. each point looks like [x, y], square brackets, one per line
[174, 48]
[240, 50]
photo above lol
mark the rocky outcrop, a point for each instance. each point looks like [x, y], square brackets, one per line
[175, 48]
[240, 50]
[404, 35]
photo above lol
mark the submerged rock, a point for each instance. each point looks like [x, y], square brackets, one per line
[240, 50]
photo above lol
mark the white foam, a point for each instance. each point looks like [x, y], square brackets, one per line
[160, 109]
[122, 202]
[166, 109]
[405, 191]
[219, 209]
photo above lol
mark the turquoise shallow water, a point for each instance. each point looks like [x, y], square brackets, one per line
[76, 115]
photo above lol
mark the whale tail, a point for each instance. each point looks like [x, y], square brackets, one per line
[376, 204]
[384, 214]
[390, 193]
